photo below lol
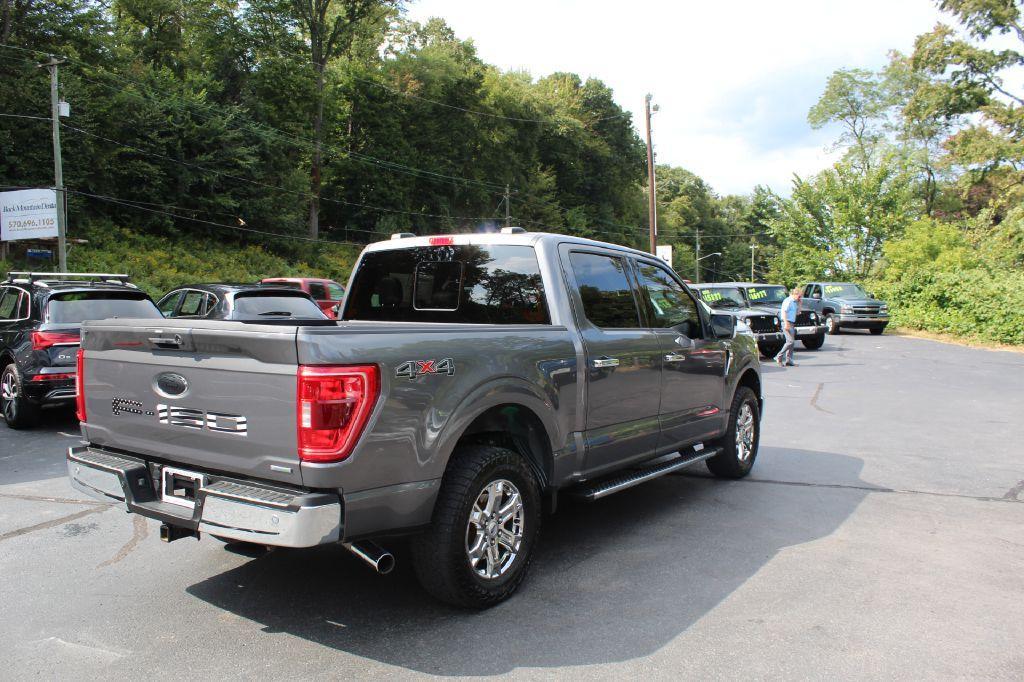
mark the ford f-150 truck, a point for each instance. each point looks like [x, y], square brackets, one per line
[471, 380]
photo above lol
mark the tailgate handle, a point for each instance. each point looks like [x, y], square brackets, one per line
[166, 341]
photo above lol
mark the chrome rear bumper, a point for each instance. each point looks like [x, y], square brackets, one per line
[226, 508]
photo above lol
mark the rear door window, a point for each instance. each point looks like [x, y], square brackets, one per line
[466, 284]
[9, 297]
[168, 303]
[192, 304]
[605, 290]
[75, 307]
[336, 291]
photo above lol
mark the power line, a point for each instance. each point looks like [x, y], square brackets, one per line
[238, 228]
[34, 118]
[276, 187]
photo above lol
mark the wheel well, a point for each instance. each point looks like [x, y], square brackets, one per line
[517, 428]
[5, 360]
[750, 379]
[828, 311]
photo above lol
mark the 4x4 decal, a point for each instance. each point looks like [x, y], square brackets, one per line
[410, 369]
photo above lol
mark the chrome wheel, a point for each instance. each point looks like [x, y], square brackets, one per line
[745, 431]
[494, 533]
[9, 396]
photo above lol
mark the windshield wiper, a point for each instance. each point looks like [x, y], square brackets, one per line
[276, 313]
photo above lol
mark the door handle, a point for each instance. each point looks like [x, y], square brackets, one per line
[165, 341]
[606, 362]
[675, 357]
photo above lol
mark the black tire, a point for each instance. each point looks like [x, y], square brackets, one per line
[771, 351]
[814, 343]
[831, 324]
[19, 412]
[877, 330]
[440, 554]
[728, 463]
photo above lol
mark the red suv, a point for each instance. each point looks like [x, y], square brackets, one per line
[326, 292]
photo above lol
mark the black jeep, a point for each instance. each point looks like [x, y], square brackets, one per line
[40, 315]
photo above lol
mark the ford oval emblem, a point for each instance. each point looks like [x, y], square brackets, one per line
[171, 384]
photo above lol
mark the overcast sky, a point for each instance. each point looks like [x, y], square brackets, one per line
[734, 80]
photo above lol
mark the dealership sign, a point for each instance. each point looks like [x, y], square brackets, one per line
[28, 214]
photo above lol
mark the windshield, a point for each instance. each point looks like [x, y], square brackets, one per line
[257, 306]
[464, 284]
[845, 291]
[723, 297]
[72, 308]
[766, 295]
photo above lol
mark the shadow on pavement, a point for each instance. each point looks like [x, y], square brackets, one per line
[612, 580]
[37, 453]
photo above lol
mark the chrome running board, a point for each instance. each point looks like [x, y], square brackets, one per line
[610, 486]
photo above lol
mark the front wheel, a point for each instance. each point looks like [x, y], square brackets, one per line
[478, 548]
[739, 444]
[877, 330]
[831, 324]
[770, 352]
[19, 412]
[814, 342]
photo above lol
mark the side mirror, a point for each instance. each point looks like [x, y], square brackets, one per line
[723, 326]
[816, 295]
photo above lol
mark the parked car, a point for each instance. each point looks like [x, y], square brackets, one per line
[730, 298]
[326, 292]
[845, 304]
[40, 315]
[810, 326]
[472, 381]
[240, 302]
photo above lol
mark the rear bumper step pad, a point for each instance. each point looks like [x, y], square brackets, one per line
[237, 510]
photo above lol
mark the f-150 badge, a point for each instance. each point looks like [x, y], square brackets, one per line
[417, 368]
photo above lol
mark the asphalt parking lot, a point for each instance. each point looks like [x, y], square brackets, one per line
[880, 535]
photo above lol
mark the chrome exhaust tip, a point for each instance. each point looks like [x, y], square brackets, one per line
[373, 554]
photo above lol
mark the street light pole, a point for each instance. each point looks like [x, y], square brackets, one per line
[58, 169]
[752, 247]
[697, 262]
[652, 209]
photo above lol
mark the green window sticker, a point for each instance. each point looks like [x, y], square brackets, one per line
[710, 295]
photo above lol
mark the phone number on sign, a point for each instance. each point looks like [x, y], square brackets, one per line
[22, 224]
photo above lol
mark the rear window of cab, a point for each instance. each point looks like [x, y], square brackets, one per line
[468, 284]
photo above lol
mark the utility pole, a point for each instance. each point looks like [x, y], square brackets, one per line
[697, 262]
[58, 169]
[752, 247]
[508, 208]
[652, 207]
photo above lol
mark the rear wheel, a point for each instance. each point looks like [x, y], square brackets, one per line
[479, 545]
[18, 411]
[739, 444]
[877, 330]
[814, 342]
[831, 324]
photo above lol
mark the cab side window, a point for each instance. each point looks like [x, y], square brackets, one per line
[318, 291]
[168, 302]
[667, 302]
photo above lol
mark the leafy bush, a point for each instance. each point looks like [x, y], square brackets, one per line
[982, 303]
[160, 263]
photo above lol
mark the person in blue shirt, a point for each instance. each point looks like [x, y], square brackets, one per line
[787, 313]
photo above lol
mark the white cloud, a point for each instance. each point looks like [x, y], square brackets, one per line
[733, 80]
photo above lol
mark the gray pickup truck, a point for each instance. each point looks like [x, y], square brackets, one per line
[471, 381]
[845, 304]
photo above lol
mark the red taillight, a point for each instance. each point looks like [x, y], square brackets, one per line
[80, 385]
[43, 340]
[442, 241]
[53, 377]
[334, 404]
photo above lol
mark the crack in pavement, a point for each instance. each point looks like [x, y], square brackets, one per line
[53, 522]
[139, 532]
[814, 399]
[57, 500]
[880, 489]
[1013, 494]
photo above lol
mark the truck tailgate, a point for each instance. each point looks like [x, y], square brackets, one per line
[214, 395]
